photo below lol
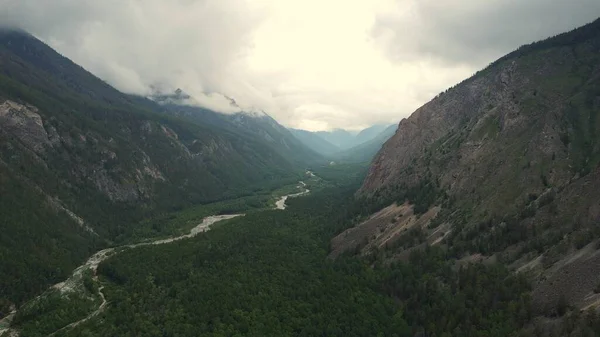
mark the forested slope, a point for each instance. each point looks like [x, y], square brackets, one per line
[267, 274]
[81, 163]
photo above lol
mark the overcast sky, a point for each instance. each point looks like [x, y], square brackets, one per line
[312, 64]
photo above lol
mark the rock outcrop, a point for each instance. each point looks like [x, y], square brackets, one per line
[525, 123]
[513, 153]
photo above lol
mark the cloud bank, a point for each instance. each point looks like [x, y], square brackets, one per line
[310, 64]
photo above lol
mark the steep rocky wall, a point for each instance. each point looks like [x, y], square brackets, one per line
[498, 136]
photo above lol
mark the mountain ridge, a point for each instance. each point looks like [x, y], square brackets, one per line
[340, 144]
[365, 151]
[511, 155]
[315, 142]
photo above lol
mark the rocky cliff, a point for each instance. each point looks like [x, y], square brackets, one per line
[511, 154]
[524, 124]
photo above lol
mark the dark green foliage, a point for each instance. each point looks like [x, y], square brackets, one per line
[581, 122]
[342, 174]
[267, 274]
[471, 301]
[528, 212]
[263, 275]
[33, 241]
[422, 195]
[544, 180]
[90, 285]
[97, 166]
[170, 224]
[52, 312]
[412, 238]
[5, 308]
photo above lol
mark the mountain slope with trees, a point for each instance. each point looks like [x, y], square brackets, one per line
[511, 155]
[81, 163]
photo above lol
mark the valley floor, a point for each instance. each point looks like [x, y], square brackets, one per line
[75, 283]
[272, 273]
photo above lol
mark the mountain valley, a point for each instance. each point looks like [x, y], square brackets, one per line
[343, 146]
[477, 215]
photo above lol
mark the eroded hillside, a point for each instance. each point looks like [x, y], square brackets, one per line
[512, 153]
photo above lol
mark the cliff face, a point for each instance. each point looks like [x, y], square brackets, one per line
[512, 156]
[524, 124]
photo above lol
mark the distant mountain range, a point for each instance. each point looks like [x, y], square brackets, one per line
[366, 150]
[344, 145]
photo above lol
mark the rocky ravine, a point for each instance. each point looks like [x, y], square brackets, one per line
[518, 143]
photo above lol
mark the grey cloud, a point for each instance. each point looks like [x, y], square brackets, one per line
[474, 32]
[133, 44]
[215, 49]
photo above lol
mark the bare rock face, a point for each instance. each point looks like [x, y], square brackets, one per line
[24, 123]
[382, 229]
[495, 137]
[514, 155]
